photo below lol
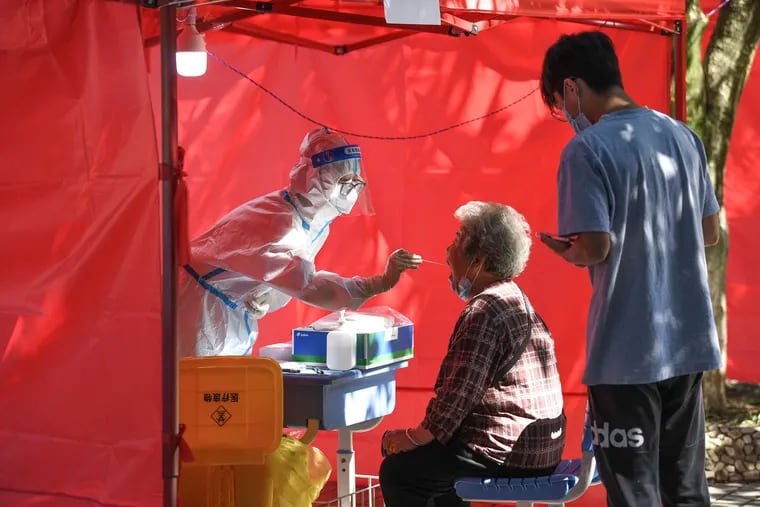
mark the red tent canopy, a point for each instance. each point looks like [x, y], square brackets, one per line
[339, 26]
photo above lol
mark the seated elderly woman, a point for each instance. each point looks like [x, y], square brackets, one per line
[497, 408]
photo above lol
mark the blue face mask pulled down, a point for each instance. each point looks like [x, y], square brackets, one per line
[464, 286]
[580, 122]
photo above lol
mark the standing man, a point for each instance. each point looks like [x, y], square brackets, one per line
[637, 207]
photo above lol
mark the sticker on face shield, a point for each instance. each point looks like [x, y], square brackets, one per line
[338, 154]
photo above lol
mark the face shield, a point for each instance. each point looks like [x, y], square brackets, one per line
[342, 180]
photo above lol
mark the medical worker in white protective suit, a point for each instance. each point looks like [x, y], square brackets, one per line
[261, 254]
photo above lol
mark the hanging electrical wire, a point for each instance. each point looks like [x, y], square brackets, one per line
[367, 136]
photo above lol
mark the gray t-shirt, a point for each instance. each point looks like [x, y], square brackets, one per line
[642, 176]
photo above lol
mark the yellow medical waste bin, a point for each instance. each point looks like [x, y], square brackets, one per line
[232, 409]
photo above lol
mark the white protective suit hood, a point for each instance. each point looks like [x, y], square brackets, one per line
[325, 157]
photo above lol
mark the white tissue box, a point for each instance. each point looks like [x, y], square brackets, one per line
[277, 351]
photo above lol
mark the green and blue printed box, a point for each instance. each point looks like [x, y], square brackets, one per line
[376, 345]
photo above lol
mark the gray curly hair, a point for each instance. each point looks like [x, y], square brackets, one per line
[498, 233]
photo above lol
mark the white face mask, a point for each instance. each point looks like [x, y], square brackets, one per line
[343, 203]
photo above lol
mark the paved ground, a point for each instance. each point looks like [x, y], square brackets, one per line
[735, 495]
[723, 495]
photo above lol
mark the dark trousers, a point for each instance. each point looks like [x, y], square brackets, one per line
[424, 477]
[649, 442]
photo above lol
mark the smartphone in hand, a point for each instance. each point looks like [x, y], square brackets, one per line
[559, 239]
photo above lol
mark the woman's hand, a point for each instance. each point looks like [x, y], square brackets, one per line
[398, 262]
[396, 441]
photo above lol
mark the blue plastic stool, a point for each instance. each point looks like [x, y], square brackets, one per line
[569, 481]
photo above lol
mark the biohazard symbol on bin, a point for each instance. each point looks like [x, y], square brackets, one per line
[221, 415]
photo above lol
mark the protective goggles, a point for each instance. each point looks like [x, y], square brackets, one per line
[353, 184]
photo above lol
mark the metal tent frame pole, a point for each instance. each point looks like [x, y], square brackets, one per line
[170, 417]
[679, 70]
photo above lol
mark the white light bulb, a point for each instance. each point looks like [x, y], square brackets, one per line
[191, 63]
[191, 50]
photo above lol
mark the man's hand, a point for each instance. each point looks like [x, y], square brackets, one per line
[583, 249]
[556, 244]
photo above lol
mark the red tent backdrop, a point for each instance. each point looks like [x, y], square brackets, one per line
[742, 188]
[80, 302]
[229, 127]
